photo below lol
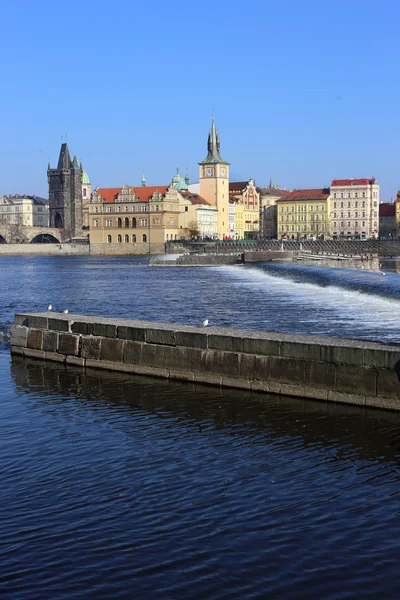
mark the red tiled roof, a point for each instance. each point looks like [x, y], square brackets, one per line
[387, 209]
[108, 194]
[272, 192]
[310, 194]
[238, 186]
[194, 198]
[340, 182]
[143, 194]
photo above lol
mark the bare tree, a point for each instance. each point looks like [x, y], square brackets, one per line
[192, 229]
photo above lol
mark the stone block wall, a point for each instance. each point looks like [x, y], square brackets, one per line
[126, 248]
[326, 369]
[44, 249]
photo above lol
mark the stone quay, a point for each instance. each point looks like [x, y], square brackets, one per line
[318, 368]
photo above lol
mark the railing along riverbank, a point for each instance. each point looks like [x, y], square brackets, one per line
[321, 368]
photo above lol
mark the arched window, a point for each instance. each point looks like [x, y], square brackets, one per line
[84, 192]
[126, 221]
[109, 238]
[166, 237]
[119, 239]
[144, 237]
[134, 239]
[133, 222]
[119, 222]
[127, 239]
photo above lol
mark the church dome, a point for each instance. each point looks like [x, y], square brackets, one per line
[85, 178]
[181, 184]
[178, 182]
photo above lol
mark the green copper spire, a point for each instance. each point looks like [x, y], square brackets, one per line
[213, 147]
[143, 180]
[187, 176]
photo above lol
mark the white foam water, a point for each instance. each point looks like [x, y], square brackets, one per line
[309, 301]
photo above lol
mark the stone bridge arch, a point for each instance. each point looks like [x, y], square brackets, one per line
[44, 238]
[43, 235]
[32, 235]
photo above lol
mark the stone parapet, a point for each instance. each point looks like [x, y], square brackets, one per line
[326, 369]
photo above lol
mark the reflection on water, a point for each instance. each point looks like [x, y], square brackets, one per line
[121, 487]
[49, 382]
[116, 486]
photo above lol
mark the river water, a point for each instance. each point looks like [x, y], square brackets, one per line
[114, 486]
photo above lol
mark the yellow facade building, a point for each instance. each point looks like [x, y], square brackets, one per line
[239, 218]
[304, 214]
[133, 220]
[247, 199]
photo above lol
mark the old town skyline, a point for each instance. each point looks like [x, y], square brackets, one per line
[293, 102]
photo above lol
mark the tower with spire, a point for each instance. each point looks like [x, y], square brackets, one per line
[214, 180]
[65, 193]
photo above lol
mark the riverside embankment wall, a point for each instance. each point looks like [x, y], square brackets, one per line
[327, 369]
[43, 249]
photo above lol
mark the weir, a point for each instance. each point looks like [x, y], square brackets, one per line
[318, 368]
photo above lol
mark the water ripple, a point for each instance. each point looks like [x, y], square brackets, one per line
[117, 487]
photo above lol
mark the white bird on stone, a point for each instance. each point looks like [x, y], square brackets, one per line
[65, 311]
[205, 323]
[49, 307]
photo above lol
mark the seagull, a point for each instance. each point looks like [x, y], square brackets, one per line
[49, 307]
[65, 311]
[205, 323]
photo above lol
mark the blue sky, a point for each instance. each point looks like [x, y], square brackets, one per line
[303, 92]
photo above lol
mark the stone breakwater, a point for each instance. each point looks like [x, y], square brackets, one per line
[326, 369]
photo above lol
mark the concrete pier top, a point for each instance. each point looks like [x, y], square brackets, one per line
[323, 368]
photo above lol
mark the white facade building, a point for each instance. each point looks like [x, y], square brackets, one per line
[207, 221]
[195, 212]
[30, 211]
[232, 229]
[354, 210]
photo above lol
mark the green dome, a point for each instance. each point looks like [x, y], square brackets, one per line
[85, 178]
[180, 184]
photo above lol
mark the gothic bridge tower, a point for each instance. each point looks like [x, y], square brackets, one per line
[65, 193]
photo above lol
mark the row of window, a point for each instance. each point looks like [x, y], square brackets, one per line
[144, 238]
[136, 208]
[303, 208]
[119, 239]
[355, 204]
[355, 195]
[127, 223]
[355, 224]
[375, 214]
[302, 228]
[20, 208]
[302, 218]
